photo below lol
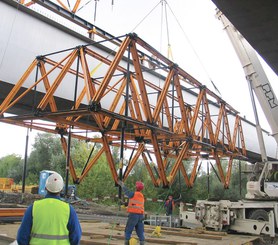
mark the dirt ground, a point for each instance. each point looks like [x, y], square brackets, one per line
[81, 206]
[98, 232]
[105, 225]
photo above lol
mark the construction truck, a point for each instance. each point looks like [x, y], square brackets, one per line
[258, 212]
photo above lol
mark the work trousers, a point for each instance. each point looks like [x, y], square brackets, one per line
[135, 221]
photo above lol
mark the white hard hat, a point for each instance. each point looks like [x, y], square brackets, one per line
[54, 183]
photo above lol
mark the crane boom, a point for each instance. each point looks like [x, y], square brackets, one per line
[260, 205]
[257, 81]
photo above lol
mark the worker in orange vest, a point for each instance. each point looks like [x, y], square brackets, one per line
[135, 209]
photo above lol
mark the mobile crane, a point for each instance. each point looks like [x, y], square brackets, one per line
[258, 212]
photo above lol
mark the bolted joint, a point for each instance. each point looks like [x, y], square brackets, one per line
[132, 35]
[38, 113]
[223, 102]
[40, 57]
[189, 139]
[79, 47]
[203, 87]
[61, 131]
[76, 182]
[174, 66]
[94, 106]
[139, 139]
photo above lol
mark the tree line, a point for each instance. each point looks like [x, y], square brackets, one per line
[47, 154]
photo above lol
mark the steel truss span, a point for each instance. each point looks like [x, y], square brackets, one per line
[133, 98]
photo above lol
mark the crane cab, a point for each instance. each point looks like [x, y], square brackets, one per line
[264, 182]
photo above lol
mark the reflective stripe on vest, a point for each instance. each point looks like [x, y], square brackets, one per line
[50, 219]
[136, 203]
[49, 237]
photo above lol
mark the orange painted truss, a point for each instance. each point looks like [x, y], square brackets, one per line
[134, 98]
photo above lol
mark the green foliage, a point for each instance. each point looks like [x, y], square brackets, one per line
[47, 154]
[99, 182]
[11, 166]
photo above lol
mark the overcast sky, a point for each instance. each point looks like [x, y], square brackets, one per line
[199, 45]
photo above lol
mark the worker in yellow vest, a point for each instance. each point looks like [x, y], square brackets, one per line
[135, 209]
[50, 221]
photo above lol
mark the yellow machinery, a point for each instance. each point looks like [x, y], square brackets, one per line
[8, 185]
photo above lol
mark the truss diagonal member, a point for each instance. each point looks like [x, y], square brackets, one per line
[227, 127]
[162, 95]
[77, 104]
[136, 99]
[178, 163]
[133, 161]
[52, 102]
[71, 166]
[194, 172]
[109, 158]
[168, 115]
[238, 127]
[75, 7]
[141, 82]
[185, 176]
[136, 102]
[113, 66]
[103, 60]
[116, 101]
[6, 103]
[98, 119]
[92, 162]
[208, 119]
[229, 173]
[181, 104]
[90, 89]
[219, 120]
[219, 167]
[196, 111]
[117, 121]
[160, 166]
[132, 114]
[30, 88]
[63, 5]
[149, 169]
[58, 80]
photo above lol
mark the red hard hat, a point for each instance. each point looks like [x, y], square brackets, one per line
[139, 186]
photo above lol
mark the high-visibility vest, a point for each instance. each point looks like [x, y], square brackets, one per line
[50, 219]
[136, 203]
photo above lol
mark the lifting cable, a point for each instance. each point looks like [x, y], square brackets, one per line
[85, 5]
[195, 52]
[95, 14]
[68, 3]
[161, 28]
[140, 22]
[169, 51]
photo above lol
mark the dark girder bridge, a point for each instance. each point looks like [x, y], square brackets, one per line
[160, 122]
